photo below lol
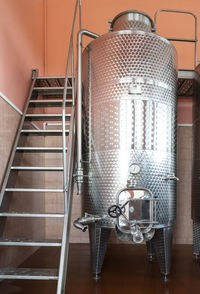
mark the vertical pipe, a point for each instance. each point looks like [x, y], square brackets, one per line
[80, 15]
[195, 52]
[79, 172]
[90, 106]
[73, 86]
[79, 115]
[79, 93]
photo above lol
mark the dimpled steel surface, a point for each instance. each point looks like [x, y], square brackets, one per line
[196, 150]
[129, 117]
[196, 165]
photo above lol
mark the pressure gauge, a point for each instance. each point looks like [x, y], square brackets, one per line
[134, 169]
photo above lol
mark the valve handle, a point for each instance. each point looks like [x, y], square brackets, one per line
[114, 211]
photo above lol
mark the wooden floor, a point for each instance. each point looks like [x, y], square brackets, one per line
[126, 270]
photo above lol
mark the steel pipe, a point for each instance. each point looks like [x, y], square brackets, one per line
[79, 171]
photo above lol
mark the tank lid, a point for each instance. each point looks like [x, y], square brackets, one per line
[132, 19]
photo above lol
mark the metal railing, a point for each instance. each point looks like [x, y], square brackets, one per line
[68, 155]
[181, 39]
[68, 158]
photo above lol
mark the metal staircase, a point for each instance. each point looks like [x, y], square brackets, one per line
[55, 93]
[34, 102]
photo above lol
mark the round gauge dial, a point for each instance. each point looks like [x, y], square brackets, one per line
[134, 169]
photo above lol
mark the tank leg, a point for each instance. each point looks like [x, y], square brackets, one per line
[98, 244]
[150, 250]
[162, 244]
[196, 238]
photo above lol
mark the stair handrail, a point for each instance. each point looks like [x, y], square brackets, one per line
[68, 206]
[68, 155]
[70, 58]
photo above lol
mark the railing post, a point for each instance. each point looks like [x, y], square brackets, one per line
[68, 159]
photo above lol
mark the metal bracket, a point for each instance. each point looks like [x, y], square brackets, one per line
[172, 178]
[34, 74]
[79, 179]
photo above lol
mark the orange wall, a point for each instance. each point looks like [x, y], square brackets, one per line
[95, 15]
[22, 46]
[185, 110]
[35, 33]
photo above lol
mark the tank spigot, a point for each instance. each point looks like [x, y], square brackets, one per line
[81, 223]
[77, 224]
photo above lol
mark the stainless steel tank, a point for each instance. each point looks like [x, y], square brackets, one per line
[129, 138]
[196, 165]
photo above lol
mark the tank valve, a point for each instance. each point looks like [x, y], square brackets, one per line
[77, 224]
[81, 223]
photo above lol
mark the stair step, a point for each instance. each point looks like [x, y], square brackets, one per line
[46, 117]
[29, 242]
[40, 149]
[48, 88]
[25, 214]
[28, 274]
[52, 91]
[43, 132]
[49, 103]
[34, 190]
[37, 168]
[52, 81]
